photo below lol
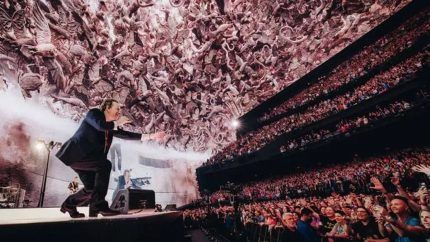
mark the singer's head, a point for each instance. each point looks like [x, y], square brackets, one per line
[111, 109]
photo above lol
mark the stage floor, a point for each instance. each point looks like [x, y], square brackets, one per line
[45, 215]
[49, 224]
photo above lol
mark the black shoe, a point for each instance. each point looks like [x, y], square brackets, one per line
[73, 212]
[106, 212]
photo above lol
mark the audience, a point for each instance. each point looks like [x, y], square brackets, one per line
[376, 85]
[366, 199]
[350, 124]
[379, 198]
[367, 59]
[371, 58]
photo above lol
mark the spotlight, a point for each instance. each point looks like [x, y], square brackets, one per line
[235, 124]
[40, 145]
[48, 145]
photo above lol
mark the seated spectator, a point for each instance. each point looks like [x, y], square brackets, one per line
[402, 226]
[328, 220]
[306, 231]
[425, 221]
[290, 233]
[341, 230]
[366, 228]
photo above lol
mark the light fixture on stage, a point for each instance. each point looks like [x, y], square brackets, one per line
[40, 144]
[235, 124]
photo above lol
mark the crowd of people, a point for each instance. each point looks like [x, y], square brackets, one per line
[345, 126]
[380, 198]
[371, 56]
[374, 86]
[367, 59]
[383, 198]
[353, 176]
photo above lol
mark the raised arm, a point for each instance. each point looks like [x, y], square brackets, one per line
[122, 134]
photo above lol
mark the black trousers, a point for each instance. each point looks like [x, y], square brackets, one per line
[95, 177]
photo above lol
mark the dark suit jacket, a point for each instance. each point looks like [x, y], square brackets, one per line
[92, 140]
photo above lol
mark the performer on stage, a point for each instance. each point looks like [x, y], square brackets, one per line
[125, 182]
[86, 153]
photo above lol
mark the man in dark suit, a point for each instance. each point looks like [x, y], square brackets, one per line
[86, 153]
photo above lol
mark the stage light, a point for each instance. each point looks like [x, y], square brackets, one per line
[40, 145]
[48, 145]
[235, 124]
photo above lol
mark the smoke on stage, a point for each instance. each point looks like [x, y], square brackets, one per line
[26, 121]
